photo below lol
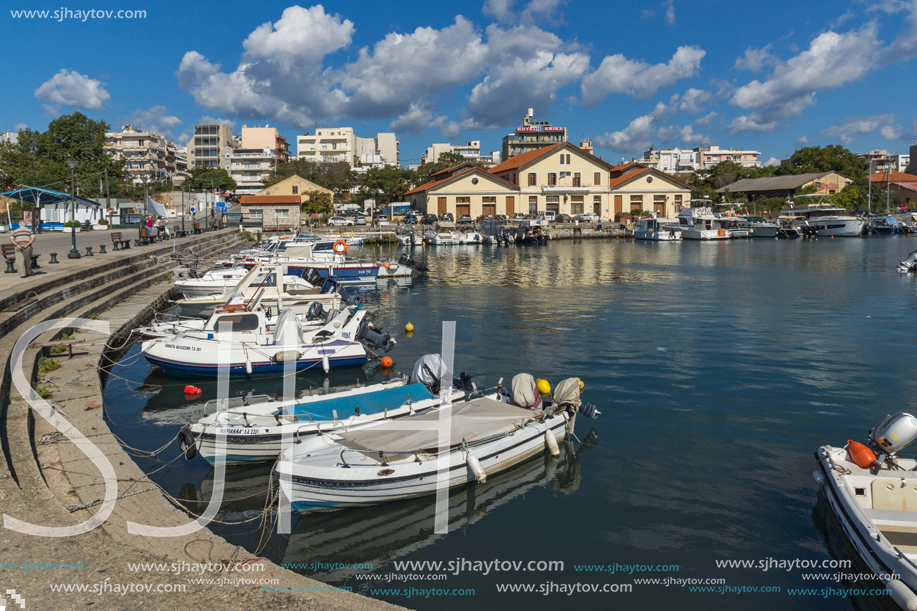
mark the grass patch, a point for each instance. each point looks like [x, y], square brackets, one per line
[58, 349]
[45, 365]
[44, 392]
[167, 277]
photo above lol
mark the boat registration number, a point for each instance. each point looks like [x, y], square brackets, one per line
[238, 431]
[191, 348]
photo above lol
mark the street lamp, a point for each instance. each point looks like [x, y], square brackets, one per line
[143, 179]
[183, 208]
[74, 253]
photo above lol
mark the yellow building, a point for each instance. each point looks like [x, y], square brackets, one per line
[562, 178]
[295, 185]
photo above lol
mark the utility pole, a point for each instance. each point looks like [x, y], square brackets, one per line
[107, 198]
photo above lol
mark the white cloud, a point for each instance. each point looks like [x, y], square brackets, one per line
[747, 123]
[70, 88]
[155, 119]
[21, 126]
[208, 120]
[832, 60]
[905, 45]
[707, 119]
[772, 162]
[534, 11]
[501, 10]
[194, 68]
[802, 141]
[419, 119]
[854, 127]
[689, 103]
[634, 138]
[300, 36]
[755, 59]
[682, 134]
[669, 6]
[617, 74]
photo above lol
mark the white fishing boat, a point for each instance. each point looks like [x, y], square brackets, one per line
[757, 227]
[698, 222]
[251, 350]
[471, 237]
[217, 282]
[443, 233]
[257, 431]
[873, 494]
[385, 461]
[657, 230]
[817, 216]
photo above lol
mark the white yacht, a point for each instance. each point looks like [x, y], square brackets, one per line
[657, 230]
[820, 218]
[758, 227]
[698, 222]
[443, 233]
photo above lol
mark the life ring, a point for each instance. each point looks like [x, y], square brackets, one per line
[340, 247]
[186, 443]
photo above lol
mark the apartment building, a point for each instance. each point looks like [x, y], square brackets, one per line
[249, 167]
[531, 136]
[146, 156]
[266, 137]
[471, 151]
[332, 144]
[677, 160]
[206, 146]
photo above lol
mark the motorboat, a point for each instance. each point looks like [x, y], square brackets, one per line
[873, 494]
[817, 217]
[329, 262]
[885, 225]
[407, 237]
[657, 230]
[248, 349]
[470, 236]
[443, 233]
[218, 281]
[325, 291]
[788, 225]
[258, 431]
[698, 222]
[757, 227]
[394, 460]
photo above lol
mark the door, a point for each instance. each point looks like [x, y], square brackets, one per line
[553, 206]
[441, 206]
[461, 209]
[490, 209]
[597, 206]
[619, 204]
[510, 205]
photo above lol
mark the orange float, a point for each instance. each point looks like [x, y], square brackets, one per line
[387, 361]
[192, 390]
[340, 247]
[861, 456]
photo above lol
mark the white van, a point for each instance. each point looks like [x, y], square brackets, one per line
[550, 215]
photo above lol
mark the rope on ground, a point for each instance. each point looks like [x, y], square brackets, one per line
[74, 508]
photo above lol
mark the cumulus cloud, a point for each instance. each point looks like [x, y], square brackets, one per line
[755, 59]
[643, 131]
[21, 126]
[747, 123]
[617, 74]
[208, 120]
[156, 119]
[905, 45]
[501, 10]
[534, 11]
[832, 60]
[70, 88]
[420, 118]
[772, 162]
[707, 119]
[802, 141]
[682, 134]
[669, 6]
[689, 103]
[854, 127]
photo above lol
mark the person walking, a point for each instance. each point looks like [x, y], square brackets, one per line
[23, 238]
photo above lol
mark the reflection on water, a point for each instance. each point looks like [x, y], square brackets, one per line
[719, 368]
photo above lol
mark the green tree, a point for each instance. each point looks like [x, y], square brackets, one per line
[40, 158]
[386, 184]
[210, 179]
[446, 160]
[831, 158]
[318, 202]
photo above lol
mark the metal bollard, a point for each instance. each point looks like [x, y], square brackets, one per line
[115, 247]
[89, 251]
[54, 258]
[102, 249]
[9, 266]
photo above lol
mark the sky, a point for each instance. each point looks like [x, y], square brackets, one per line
[771, 76]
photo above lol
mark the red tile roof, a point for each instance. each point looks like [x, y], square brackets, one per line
[518, 161]
[435, 183]
[894, 177]
[449, 169]
[271, 199]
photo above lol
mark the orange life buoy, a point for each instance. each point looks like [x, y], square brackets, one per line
[340, 247]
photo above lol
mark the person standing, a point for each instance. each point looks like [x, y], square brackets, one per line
[23, 238]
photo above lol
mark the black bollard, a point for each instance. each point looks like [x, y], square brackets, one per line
[89, 251]
[9, 266]
[102, 249]
[54, 258]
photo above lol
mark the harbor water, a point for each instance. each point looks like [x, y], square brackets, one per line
[718, 368]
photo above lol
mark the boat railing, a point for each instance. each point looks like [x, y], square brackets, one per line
[216, 405]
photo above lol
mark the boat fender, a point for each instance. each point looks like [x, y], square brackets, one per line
[818, 477]
[551, 442]
[861, 456]
[286, 355]
[186, 443]
[248, 364]
[325, 364]
[902, 595]
[192, 390]
[475, 465]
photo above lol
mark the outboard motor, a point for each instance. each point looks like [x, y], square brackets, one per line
[408, 261]
[429, 370]
[375, 338]
[330, 286]
[909, 264]
[894, 434]
[313, 277]
[316, 312]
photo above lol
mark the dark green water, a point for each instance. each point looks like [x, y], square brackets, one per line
[719, 369]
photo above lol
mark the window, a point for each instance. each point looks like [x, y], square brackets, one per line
[678, 202]
[565, 159]
[553, 199]
[533, 204]
[282, 214]
[532, 179]
[577, 180]
[462, 200]
[597, 178]
[490, 199]
[659, 203]
[576, 204]
[636, 202]
[241, 322]
[552, 179]
[256, 215]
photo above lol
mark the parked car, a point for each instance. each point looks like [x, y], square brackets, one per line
[550, 216]
[339, 221]
[447, 217]
[588, 217]
[484, 217]
[360, 219]
[429, 219]
[519, 215]
[500, 217]
[410, 219]
[380, 219]
[564, 218]
[465, 218]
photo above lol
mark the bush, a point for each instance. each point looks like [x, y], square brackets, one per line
[44, 392]
[68, 224]
[45, 364]
[102, 222]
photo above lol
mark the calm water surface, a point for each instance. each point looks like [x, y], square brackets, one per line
[719, 368]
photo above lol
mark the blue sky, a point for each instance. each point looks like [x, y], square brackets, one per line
[770, 76]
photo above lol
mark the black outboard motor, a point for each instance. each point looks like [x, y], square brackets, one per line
[330, 286]
[463, 382]
[316, 312]
[408, 261]
[376, 338]
[313, 277]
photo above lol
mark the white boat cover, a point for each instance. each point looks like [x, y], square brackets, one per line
[471, 421]
[445, 225]
[525, 391]
[429, 370]
[288, 331]
[567, 392]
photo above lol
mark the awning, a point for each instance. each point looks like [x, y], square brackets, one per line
[45, 197]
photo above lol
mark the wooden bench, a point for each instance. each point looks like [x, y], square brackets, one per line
[146, 237]
[9, 253]
[119, 243]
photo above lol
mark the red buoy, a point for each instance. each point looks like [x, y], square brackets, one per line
[861, 456]
[192, 390]
[387, 361]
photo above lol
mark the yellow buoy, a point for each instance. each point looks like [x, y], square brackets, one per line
[581, 385]
[409, 327]
[543, 387]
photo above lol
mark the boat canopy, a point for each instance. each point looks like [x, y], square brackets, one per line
[445, 224]
[472, 421]
[366, 403]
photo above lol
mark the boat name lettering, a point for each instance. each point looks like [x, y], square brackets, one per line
[239, 431]
[192, 348]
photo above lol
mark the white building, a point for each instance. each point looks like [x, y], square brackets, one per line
[249, 167]
[11, 137]
[342, 144]
[146, 156]
[677, 160]
[471, 151]
[901, 162]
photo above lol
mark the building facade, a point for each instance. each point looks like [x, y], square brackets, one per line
[295, 185]
[276, 212]
[249, 167]
[470, 151]
[256, 138]
[147, 156]
[532, 135]
[328, 145]
[561, 178]
[677, 160]
[206, 145]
